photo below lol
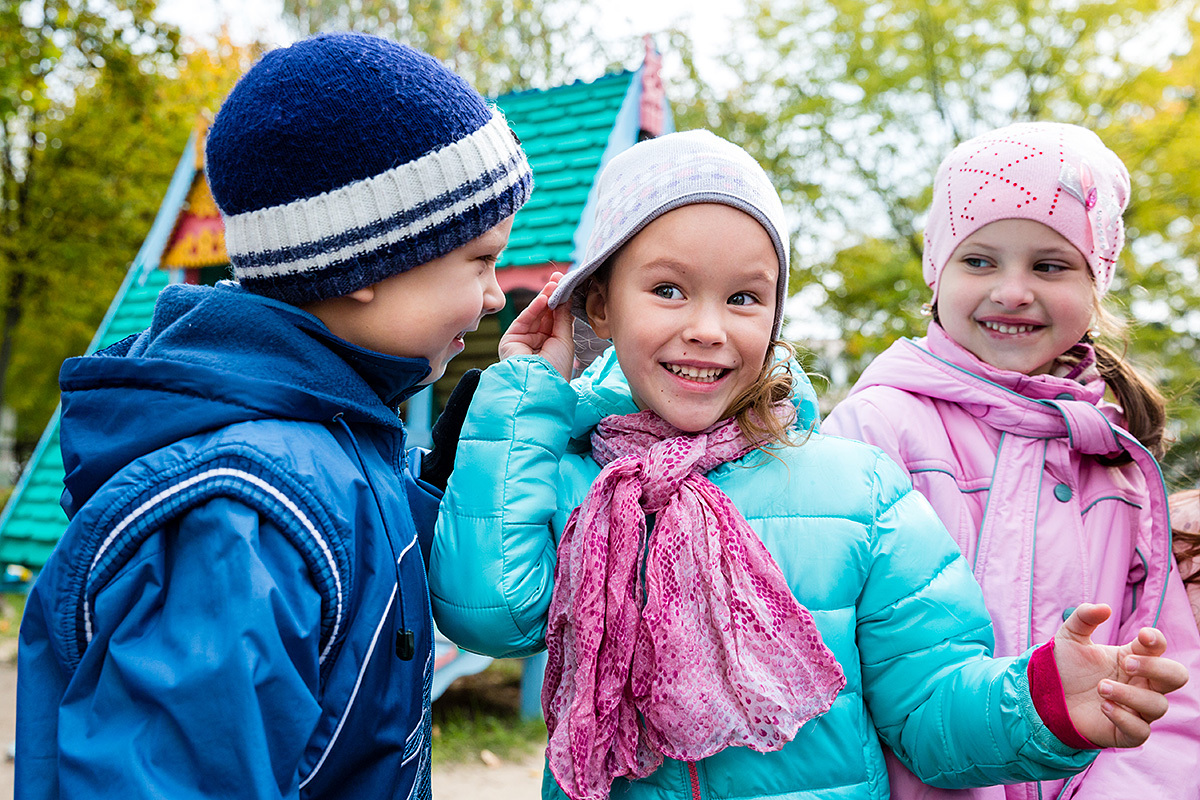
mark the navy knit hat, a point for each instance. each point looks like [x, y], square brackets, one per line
[344, 159]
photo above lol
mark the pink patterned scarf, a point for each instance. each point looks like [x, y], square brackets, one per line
[681, 646]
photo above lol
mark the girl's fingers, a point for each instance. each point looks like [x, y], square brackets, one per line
[1146, 704]
[1084, 620]
[1149, 642]
[1132, 730]
[530, 317]
[537, 325]
[551, 285]
[564, 324]
[1157, 673]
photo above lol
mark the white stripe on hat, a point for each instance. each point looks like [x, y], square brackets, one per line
[327, 258]
[372, 200]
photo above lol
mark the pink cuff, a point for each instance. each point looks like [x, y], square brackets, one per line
[1045, 686]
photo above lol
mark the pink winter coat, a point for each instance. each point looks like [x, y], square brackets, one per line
[1008, 461]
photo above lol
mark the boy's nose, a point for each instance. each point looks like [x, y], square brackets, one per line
[493, 295]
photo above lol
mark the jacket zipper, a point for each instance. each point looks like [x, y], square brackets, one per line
[694, 777]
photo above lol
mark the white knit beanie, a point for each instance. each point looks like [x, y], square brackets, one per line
[659, 175]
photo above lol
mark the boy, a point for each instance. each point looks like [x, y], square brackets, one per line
[239, 607]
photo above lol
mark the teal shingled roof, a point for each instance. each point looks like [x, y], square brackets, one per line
[33, 521]
[565, 132]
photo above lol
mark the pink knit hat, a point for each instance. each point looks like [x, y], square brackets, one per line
[1059, 175]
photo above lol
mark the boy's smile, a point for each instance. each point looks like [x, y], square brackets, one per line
[426, 311]
[1017, 295]
[689, 305]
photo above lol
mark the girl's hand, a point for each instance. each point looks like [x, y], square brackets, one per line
[540, 331]
[1113, 693]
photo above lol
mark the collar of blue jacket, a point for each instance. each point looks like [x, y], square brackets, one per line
[212, 357]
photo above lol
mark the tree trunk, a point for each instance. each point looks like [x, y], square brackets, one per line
[12, 316]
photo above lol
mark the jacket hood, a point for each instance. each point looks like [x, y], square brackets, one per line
[602, 390]
[212, 357]
[936, 366]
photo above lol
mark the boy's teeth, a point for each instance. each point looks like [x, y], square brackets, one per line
[705, 374]
[999, 328]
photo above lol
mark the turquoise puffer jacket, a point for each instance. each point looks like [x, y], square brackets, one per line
[891, 594]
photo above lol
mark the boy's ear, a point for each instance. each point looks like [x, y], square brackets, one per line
[596, 306]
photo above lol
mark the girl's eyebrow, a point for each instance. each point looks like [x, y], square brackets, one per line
[666, 263]
[1041, 252]
[1055, 250]
[981, 245]
[766, 275]
[669, 264]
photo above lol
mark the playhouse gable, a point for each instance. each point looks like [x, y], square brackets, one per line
[569, 132]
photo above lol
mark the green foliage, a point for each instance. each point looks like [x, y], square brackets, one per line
[851, 105]
[880, 289]
[51, 53]
[12, 606]
[496, 46]
[482, 712]
[87, 207]
[103, 178]
[1157, 134]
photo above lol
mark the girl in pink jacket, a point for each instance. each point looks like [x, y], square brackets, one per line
[999, 415]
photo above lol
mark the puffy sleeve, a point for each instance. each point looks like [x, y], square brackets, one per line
[201, 678]
[859, 418]
[952, 714]
[494, 549]
[423, 501]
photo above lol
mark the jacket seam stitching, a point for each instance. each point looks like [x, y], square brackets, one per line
[80, 581]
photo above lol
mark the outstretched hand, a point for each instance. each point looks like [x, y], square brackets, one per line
[542, 331]
[1113, 693]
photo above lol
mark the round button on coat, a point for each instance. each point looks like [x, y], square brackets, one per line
[1062, 492]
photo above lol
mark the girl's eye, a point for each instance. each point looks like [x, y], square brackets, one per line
[975, 262]
[667, 292]
[742, 299]
[1047, 267]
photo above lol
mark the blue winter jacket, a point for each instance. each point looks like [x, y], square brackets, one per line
[891, 594]
[239, 607]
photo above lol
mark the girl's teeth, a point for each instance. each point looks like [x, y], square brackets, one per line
[703, 375]
[1008, 329]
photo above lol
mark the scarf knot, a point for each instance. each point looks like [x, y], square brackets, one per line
[660, 465]
[1062, 405]
[676, 644]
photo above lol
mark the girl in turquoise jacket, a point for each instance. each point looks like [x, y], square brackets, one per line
[734, 605]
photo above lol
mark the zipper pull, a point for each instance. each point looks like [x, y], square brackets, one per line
[406, 645]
